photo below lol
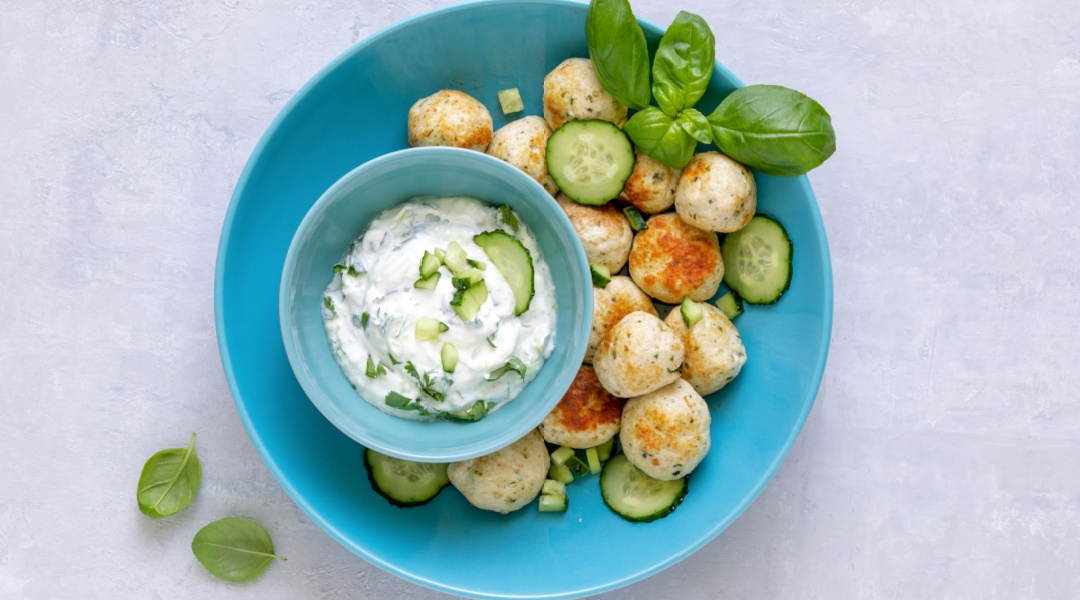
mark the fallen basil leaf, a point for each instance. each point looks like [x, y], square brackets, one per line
[773, 129]
[695, 123]
[169, 481]
[683, 64]
[618, 51]
[660, 137]
[234, 549]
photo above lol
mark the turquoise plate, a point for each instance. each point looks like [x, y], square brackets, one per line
[354, 110]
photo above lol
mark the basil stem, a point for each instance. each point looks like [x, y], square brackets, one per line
[618, 51]
[659, 136]
[683, 64]
[773, 129]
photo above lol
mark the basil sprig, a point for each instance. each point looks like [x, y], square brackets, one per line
[683, 64]
[618, 51]
[234, 549]
[773, 129]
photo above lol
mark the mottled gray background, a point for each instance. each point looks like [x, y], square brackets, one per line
[942, 459]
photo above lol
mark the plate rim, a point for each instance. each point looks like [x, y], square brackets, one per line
[707, 534]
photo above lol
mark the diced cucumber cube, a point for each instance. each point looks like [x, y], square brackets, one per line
[561, 473]
[428, 330]
[467, 303]
[475, 263]
[594, 460]
[561, 455]
[428, 283]
[440, 254]
[455, 258]
[553, 488]
[637, 220]
[601, 275]
[510, 101]
[691, 312]
[553, 503]
[449, 357]
[429, 265]
[730, 304]
[468, 278]
[603, 451]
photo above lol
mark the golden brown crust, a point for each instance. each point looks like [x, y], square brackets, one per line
[673, 259]
[651, 187]
[587, 415]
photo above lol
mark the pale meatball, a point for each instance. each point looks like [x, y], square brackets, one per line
[572, 92]
[610, 304]
[666, 433]
[651, 187]
[587, 416]
[714, 350]
[604, 231]
[523, 143]
[450, 118]
[506, 479]
[673, 259]
[640, 354]
[716, 193]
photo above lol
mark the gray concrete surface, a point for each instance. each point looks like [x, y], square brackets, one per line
[942, 459]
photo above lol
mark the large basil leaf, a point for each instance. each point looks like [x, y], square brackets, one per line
[695, 123]
[661, 137]
[169, 481]
[234, 549]
[773, 129]
[683, 64]
[618, 51]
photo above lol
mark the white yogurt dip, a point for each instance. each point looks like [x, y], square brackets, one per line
[371, 308]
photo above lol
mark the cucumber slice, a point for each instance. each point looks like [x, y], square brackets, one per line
[604, 450]
[428, 330]
[449, 357]
[455, 258]
[553, 488]
[730, 304]
[513, 261]
[466, 303]
[757, 260]
[429, 264]
[601, 275]
[553, 503]
[637, 220]
[404, 483]
[468, 278]
[635, 496]
[590, 161]
[691, 312]
[428, 283]
[561, 473]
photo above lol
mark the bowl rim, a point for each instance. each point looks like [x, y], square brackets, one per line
[322, 399]
[706, 534]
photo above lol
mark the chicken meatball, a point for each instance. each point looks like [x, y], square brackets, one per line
[651, 187]
[587, 416]
[673, 259]
[665, 433]
[506, 479]
[714, 350]
[604, 231]
[572, 92]
[610, 304]
[716, 193]
[640, 354]
[450, 118]
[523, 143]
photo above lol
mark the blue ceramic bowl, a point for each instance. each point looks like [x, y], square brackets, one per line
[343, 213]
[355, 110]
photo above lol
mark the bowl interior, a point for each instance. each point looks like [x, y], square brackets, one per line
[355, 110]
[343, 213]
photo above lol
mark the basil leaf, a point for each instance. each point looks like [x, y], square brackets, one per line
[234, 549]
[683, 64]
[618, 51]
[773, 129]
[513, 365]
[693, 122]
[660, 137]
[169, 481]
